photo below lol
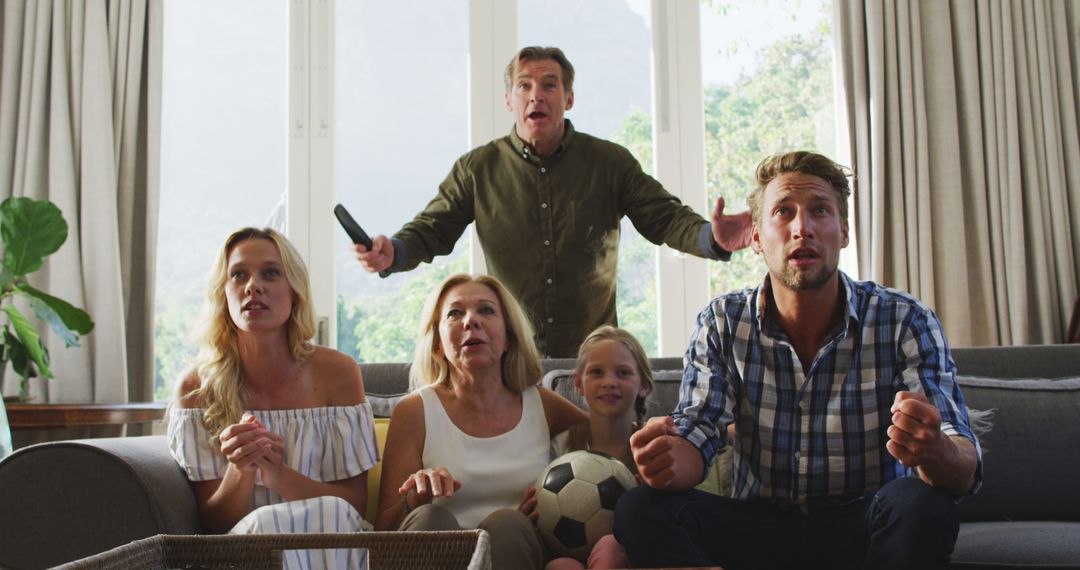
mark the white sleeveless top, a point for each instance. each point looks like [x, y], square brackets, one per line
[494, 471]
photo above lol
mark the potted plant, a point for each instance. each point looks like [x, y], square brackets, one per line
[31, 231]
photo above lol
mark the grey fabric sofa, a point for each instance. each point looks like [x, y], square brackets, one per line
[66, 500]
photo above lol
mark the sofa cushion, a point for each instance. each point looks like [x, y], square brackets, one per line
[383, 379]
[374, 475]
[66, 500]
[382, 406]
[1033, 361]
[1025, 544]
[1031, 432]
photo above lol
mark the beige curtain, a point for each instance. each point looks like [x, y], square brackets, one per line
[79, 93]
[964, 132]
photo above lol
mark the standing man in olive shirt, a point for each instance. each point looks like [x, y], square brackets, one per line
[547, 202]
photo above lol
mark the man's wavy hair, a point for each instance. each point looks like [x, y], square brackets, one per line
[221, 376]
[537, 53]
[521, 361]
[805, 162]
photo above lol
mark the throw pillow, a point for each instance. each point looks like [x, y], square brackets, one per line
[1028, 459]
[383, 406]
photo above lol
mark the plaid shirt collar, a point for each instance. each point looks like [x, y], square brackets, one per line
[759, 309]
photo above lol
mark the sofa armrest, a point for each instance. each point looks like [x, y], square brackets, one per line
[71, 499]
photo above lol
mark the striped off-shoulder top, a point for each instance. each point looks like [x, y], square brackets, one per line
[325, 444]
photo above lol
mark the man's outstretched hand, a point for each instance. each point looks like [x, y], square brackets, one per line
[731, 232]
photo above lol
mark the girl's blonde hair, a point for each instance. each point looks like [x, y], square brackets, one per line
[608, 332]
[221, 376]
[520, 362]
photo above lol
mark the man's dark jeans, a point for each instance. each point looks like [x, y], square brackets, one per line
[907, 524]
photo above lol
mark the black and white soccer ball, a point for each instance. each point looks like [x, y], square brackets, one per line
[575, 498]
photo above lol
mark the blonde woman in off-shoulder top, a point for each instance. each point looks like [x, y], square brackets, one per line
[274, 433]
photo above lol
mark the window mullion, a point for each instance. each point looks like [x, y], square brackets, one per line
[311, 152]
[492, 41]
[321, 176]
[679, 150]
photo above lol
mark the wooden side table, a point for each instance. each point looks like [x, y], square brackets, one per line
[39, 423]
[55, 416]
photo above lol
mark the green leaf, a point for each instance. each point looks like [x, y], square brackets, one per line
[20, 363]
[47, 314]
[63, 317]
[31, 340]
[15, 350]
[6, 278]
[31, 230]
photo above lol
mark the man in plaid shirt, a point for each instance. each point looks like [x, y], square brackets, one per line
[851, 439]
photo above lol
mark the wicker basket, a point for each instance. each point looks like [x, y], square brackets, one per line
[469, 549]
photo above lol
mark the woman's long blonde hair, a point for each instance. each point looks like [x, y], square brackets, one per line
[521, 362]
[221, 376]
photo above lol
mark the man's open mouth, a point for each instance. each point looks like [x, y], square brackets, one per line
[803, 253]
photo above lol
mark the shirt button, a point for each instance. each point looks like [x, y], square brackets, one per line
[797, 456]
[547, 242]
[549, 281]
[551, 320]
[542, 170]
[544, 205]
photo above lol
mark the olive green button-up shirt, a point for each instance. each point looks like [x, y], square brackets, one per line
[549, 227]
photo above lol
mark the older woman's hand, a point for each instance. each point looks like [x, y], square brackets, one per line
[244, 443]
[430, 483]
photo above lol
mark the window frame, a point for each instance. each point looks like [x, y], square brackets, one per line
[678, 143]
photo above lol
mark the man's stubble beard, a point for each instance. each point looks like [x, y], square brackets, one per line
[797, 280]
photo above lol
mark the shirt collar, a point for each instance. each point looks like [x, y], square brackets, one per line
[523, 149]
[852, 302]
[851, 307]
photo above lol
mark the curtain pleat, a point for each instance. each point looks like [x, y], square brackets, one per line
[75, 128]
[964, 134]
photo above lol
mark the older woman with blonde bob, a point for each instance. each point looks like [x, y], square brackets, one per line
[463, 449]
[274, 432]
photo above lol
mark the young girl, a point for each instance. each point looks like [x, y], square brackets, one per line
[274, 432]
[613, 374]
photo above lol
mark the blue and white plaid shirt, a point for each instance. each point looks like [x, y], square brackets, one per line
[804, 435]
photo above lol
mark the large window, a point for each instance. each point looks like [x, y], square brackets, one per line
[609, 44]
[401, 115]
[223, 151]
[275, 106]
[767, 73]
